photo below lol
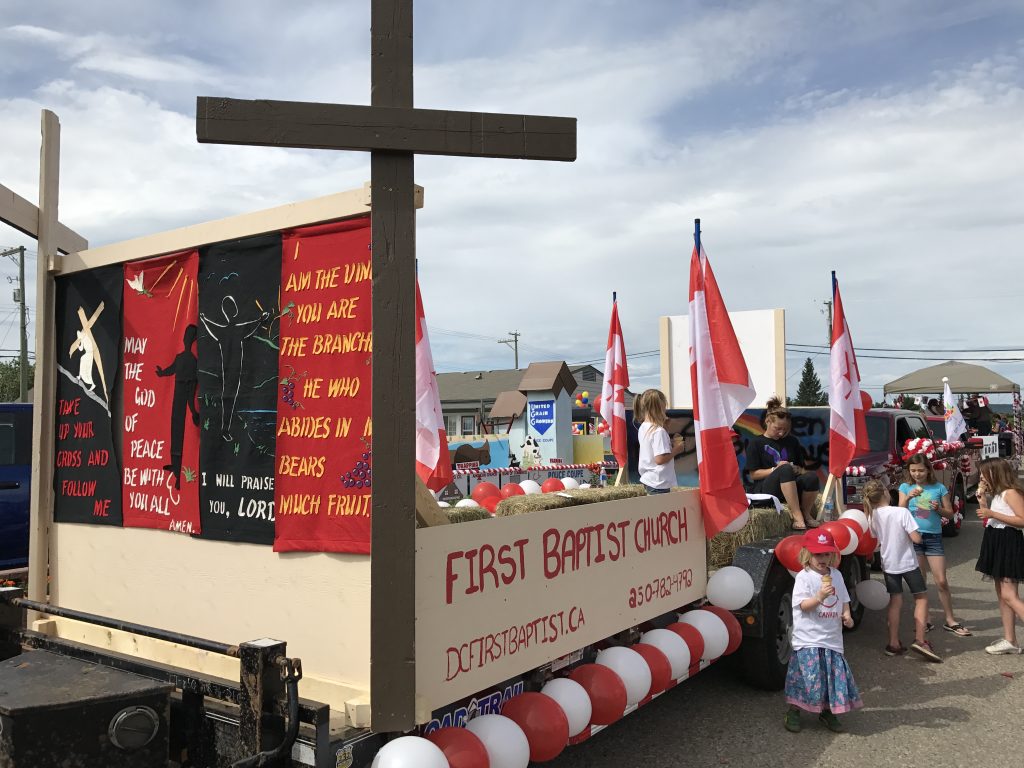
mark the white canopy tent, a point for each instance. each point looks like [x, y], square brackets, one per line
[963, 378]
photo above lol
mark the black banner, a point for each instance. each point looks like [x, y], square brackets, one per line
[87, 478]
[239, 329]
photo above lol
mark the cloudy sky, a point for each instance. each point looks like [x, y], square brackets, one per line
[879, 138]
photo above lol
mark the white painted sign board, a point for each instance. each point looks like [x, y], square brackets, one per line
[762, 337]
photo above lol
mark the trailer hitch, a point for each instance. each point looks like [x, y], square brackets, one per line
[291, 673]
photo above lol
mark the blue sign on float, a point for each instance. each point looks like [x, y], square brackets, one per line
[541, 415]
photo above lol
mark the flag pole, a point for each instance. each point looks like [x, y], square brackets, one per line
[833, 486]
[618, 475]
[696, 235]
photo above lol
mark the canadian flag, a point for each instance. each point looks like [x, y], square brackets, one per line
[848, 432]
[433, 463]
[722, 390]
[613, 389]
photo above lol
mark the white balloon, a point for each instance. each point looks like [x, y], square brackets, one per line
[730, 588]
[466, 503]
[410, 752]
[854, 541]
[873, 594]
[855, 514]
[738, 523]
[584, 485]
[443, 504]
[574, 701]
[631, 667]
[530, 487]
[712, 629]
[570, 482]
[504, 741]
[674, 648]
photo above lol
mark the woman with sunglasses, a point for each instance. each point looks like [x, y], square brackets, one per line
[776, 464]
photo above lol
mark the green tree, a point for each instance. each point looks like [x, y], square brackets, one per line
[10, 380]
[810, 392]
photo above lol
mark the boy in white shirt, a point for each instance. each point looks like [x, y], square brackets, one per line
[896, 531]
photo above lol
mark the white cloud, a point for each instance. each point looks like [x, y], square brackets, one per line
[908, 188]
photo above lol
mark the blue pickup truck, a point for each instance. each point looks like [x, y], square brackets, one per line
[15, 475]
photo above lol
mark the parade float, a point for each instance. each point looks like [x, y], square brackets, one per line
[223, 440]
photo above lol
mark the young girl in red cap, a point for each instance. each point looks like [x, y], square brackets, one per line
[819, 679]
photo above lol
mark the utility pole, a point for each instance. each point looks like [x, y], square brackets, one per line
[514, 343]
[19, 298]
[828, 331]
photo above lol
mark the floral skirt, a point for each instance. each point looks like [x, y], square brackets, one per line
[819, 679]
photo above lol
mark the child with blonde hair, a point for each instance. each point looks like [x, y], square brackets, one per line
[819, 679]
[657, 450]
[1001, 507]
[896, 531]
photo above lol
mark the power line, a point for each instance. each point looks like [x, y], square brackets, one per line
[898, 349]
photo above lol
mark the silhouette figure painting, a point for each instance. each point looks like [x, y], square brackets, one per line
[86, 344]
[184, 369]
[231, 337]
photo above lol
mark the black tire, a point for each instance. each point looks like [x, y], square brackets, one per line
[765, 659]
[853, 569]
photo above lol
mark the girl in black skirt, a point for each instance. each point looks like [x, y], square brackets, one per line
[1001, 507]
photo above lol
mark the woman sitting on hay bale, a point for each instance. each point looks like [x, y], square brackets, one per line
[777, 464]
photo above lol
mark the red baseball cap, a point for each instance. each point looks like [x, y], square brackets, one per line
[819, 542]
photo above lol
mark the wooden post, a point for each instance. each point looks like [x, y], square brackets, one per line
[45, 385]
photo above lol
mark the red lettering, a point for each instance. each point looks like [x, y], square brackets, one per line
[487, 565]
[451, 577]
[551, 539]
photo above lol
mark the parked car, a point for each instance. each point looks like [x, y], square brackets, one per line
[888, 431]
[15, 475]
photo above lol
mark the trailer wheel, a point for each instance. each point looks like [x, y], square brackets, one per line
[853, 574]
[766, 659]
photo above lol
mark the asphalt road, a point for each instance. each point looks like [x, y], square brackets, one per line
[963, 712]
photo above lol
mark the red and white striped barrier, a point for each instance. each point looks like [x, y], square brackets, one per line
[498, 471]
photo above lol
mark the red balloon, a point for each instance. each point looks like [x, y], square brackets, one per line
[542, 720]
[787, 552]
[661, 667]
[482, 490]
[461, 747]
[490, 503]
[840, 532]
[731, 623]
[552, 484]
[866, 546]
[694, 640]
[606, 690]
[511, 489]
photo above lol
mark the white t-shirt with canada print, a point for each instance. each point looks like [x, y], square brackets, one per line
[822, 626]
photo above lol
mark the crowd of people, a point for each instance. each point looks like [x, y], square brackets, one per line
[819, 679]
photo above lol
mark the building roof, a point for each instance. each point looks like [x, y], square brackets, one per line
[508, 405]
[548, 377]
[476, 387]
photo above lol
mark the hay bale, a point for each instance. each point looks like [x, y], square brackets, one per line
[538, 502]
[764, 523]
[466, 514]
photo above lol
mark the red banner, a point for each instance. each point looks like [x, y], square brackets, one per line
[322, 479]
[160, 448]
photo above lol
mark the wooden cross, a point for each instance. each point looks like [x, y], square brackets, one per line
[53, 238]
[393, 132]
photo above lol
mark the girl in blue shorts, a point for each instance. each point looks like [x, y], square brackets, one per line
[928, 501]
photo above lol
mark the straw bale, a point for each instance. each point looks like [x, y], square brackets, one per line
[764, 523]
[466, 514]
[521, 505]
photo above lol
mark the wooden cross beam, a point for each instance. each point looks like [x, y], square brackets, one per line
[24, 217]
[392, 131]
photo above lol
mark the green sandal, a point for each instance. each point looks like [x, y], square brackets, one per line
[831, 722]
[792, 721]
